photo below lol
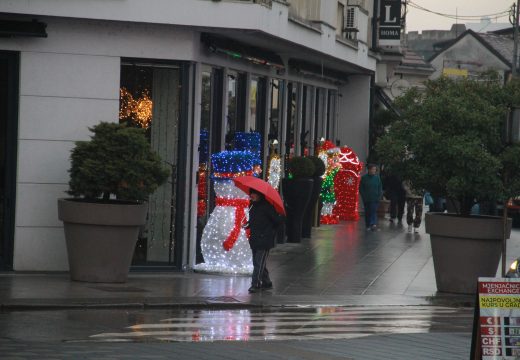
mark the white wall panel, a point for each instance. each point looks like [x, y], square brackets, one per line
[57, 118]
[65, 75]
[37, 204]
[40, 249]
[44, 161]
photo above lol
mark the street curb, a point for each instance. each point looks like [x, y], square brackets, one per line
[210, 304]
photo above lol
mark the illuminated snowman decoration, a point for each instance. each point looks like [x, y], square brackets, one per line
[224, 243]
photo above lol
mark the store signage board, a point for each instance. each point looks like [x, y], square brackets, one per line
[389, 23]
[499, 318]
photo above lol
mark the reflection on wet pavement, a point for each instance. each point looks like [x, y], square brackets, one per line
[293, 323]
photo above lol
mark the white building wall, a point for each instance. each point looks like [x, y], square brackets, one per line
[69, 82]
[57, 91]
[354, 106]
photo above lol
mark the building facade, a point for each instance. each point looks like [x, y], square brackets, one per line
[472, 55]
[192, 72]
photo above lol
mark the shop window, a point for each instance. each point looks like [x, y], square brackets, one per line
[257, 111]
[331, 114]
[210, 142]
[236, 95]
[149, 99]
[305, 136]
[253, 103]
[203, 179]
[340, 19]
[275, 120]
[291, 120]
[319, 115]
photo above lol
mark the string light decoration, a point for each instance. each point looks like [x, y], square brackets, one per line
[274, 168]
[328, 153]
[138, 110]
[346, 185]
[202, 193]
[202, 187]
[224, 242]
[252, 142]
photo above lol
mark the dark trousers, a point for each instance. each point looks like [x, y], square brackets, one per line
[371, 213]
[397, 206]
[260, 274]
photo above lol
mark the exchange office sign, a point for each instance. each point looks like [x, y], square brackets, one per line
[390, 23]
[499, 321]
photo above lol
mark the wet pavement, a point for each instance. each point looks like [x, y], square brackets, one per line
[276, 333]
[340, 265]
[345, 293]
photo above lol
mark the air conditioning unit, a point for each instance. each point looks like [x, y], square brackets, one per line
[350, 29]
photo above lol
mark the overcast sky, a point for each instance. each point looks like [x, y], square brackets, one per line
[418, 20]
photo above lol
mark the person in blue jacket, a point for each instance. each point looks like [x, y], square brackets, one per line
[371, 191]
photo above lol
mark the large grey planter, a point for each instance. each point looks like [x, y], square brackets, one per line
[464, 248]
[100, 238]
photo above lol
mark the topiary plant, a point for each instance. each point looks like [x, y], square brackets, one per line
[448, 140]
[319, 166]
[119, 161]
[301, 167]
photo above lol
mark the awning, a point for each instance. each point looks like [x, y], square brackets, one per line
[238, 50]
[317, 69]
[22, 28]
[386, 101]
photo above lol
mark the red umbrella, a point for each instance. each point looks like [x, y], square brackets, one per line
[246, 183]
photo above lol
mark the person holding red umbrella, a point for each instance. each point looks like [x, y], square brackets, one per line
[263, 223]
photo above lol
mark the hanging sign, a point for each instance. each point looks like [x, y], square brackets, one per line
[390, 23]
[498, 320]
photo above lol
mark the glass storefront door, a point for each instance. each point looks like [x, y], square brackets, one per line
[291, 120]
[275, 115]
[150, 99]
[331, 114]
[236, 96]
[306, 118]
[257, 111]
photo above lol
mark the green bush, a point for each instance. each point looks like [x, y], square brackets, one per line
[319, 166]
[448, 141]
[301, 167]
[119, 161]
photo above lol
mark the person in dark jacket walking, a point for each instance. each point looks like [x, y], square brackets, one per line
[393, 186]
[263, 224]
[371, 190]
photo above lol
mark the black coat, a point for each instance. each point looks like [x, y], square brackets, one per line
[263, 223]
[393, 187]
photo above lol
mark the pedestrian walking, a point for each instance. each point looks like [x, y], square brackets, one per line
[371, 191]
[414, 207]
[263, 224]
[395, 192]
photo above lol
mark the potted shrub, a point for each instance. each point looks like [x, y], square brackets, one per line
[296, 190]
[308, 219]
[111, 177]
[448, 141]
